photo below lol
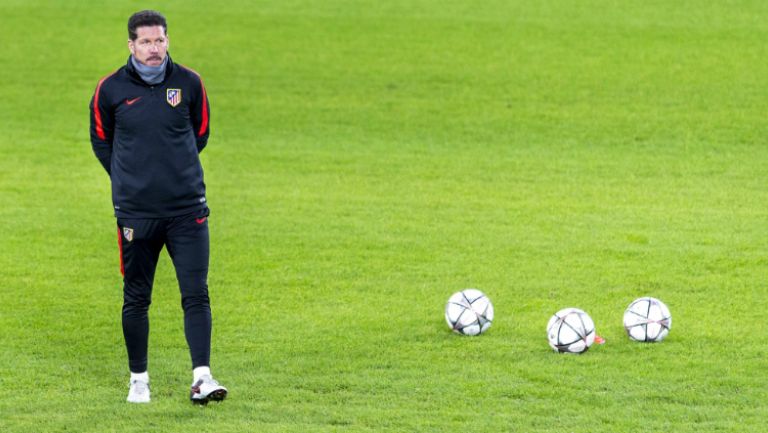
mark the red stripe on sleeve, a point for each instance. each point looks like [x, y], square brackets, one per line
[204, 123]
[204, 113]
[97, 111]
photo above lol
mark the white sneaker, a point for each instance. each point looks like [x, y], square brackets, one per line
[138, 392]
[207, 389]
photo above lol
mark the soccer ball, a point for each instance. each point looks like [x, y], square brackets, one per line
[647, 320]
[469, 312]
[571, 330]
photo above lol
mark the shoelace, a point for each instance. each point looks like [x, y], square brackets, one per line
[204, 380]
[140, 387]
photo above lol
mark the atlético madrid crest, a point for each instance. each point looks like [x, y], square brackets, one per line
[128, 233]
[173, 96]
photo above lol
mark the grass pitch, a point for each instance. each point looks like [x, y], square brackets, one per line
[367, 159]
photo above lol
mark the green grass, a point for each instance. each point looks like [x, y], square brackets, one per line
[367, 159]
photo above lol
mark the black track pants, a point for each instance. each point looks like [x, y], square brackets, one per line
[187, 241]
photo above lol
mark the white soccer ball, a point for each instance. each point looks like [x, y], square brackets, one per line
[647, 320]
[571, 330]
[469, 312]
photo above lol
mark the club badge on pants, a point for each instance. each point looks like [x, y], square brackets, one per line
[128, 234]
[173, 96]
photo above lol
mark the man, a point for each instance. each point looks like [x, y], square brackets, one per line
[149, 122]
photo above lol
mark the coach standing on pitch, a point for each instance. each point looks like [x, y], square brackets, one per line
[149, 122]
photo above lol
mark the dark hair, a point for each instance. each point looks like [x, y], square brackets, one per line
[143, 19]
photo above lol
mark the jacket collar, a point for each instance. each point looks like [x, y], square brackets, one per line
[135, 75]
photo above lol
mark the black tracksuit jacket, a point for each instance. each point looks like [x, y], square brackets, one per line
[148, 138]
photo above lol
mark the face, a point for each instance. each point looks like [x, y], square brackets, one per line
[150, 46]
